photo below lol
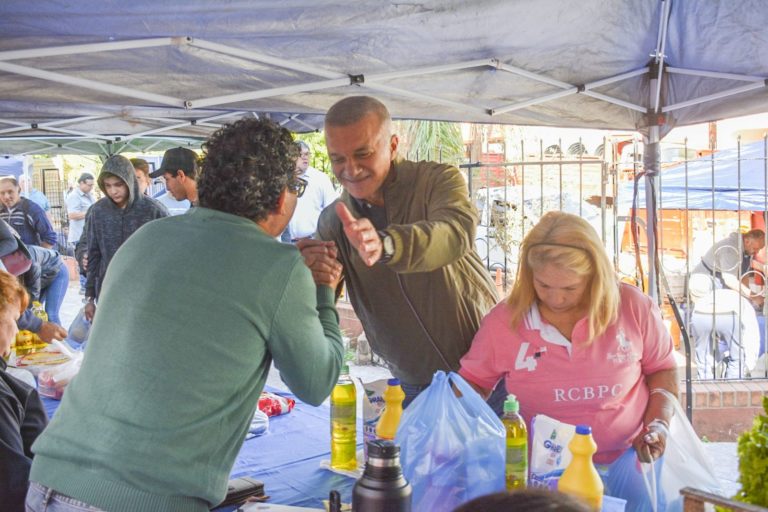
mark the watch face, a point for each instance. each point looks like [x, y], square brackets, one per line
[389, 245]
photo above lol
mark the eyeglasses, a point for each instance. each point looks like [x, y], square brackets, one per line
[298, 186]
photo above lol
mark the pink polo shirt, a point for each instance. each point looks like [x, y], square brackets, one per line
[601, 384]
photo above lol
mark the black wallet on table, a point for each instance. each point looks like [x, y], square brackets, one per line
[240, 489]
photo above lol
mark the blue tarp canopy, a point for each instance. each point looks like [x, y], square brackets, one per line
[109, 75]
[728, 180]
[11, 166]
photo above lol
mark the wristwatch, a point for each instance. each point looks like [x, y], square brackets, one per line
[388, 246]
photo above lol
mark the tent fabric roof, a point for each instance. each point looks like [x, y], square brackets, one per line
[102, 69]
[732, 179]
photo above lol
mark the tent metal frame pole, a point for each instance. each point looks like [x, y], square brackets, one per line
[715, 74]
[653, 146]
[615, 101]
[76, 132]
[181, 124]
[570, 89]
[90, 84]
[650, 209]
[26, 126]
[264, 59]
[298, 120]
[716, 96]
[370, 81]
[535, 101]
[433, 69]
[616, 78]
[77, 49]
[268, 93]
[396, 91]
[534, 76]
[661, 45]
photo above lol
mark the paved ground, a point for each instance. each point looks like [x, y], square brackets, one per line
[723, 455]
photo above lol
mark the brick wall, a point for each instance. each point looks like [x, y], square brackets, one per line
[723, 410]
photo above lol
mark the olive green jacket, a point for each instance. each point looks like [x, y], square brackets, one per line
[435, 285]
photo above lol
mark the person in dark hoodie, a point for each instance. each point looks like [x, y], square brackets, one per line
[112, 219]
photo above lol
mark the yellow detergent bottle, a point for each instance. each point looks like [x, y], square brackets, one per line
[344, 423]
[580, 478]
[389, 420]
[516, 469]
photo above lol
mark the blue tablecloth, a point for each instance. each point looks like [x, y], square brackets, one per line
[287, 458]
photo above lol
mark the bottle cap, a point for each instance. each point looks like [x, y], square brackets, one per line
[511, 404]
[393, 382]
[583, 429]
[383, 449]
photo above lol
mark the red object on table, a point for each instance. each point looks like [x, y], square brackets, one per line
[275, 405]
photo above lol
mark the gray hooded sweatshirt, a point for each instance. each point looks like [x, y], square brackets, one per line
[107, 226]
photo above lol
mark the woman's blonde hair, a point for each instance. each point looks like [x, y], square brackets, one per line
[12, 292]
[569, 242]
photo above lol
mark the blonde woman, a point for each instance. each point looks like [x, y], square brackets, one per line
[576, 345]
[22, 416]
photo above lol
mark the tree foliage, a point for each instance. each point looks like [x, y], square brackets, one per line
[431, 140]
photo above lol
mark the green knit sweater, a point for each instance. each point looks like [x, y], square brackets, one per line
[193, 311]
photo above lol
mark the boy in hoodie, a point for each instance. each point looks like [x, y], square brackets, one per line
[112, 219]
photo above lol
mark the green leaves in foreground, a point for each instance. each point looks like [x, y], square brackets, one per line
[753, 461]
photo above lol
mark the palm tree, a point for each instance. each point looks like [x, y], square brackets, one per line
[431, 140]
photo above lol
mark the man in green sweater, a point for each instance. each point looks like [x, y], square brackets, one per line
[180, 351]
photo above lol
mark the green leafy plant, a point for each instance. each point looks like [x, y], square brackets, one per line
[753, 461]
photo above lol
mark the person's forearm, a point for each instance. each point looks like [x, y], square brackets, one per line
[76, 215]
[660, 405]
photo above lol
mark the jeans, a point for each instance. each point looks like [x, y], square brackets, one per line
[43, 499]
[719, 340]
[53, 295]
[496, 400]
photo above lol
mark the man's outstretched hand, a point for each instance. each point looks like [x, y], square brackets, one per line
[361, 234]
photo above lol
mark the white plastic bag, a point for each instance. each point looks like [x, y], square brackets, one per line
[685, 463]
[51, 382]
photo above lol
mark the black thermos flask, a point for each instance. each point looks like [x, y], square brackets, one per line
[382, 488]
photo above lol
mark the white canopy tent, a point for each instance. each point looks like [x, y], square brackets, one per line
[113, 75]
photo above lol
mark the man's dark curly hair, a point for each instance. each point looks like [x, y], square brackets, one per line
[246, 165]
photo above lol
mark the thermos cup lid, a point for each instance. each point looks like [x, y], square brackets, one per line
[383, 449]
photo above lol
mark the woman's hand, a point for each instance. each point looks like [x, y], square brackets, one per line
[652, 441]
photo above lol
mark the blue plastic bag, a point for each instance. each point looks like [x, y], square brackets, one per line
[452, 449]
[624, 479]
[79, 329]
